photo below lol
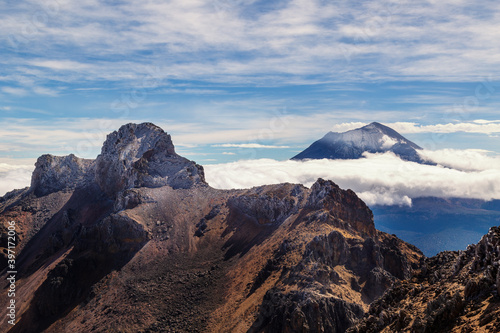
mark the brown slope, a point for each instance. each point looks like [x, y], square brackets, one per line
[165, 252]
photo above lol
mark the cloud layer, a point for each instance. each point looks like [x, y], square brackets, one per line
[377, 179]
[248, 41]
[14, 177]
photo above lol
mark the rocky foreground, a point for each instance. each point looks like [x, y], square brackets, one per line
[137, 241]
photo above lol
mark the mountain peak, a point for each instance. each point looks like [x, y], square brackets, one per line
[372, 138]
[143, 155]
[56, 173]
[136, 155]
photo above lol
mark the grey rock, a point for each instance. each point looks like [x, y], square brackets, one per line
[302, 311]
[143, 156]
[56, 173]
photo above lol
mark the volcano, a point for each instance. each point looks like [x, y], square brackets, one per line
[372, 138]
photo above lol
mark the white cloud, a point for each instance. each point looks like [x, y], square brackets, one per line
[377, 179]
[473, 126]
[14, 91]
[60, 64]
[387, 142]
[464, 160]
[339, 41]
[14, 177]
[84, 136]
[249, 145]
[45, 91]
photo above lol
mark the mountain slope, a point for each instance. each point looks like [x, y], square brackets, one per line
[454, 292]
[137, 241]
[372, 138]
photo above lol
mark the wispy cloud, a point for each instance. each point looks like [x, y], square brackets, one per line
[474, 126]
[249, 41]
[249, 145]
[84, 136]
[14, 91]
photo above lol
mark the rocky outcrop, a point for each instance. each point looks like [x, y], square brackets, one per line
[344, 206]
[453, 292]
[268, 207]
[300, 311]
[134, 156]
[367, 266]
[57, 173]
[143, 155]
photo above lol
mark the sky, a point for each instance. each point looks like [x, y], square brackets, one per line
[241, 80]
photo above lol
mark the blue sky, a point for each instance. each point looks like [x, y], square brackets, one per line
[232, 80]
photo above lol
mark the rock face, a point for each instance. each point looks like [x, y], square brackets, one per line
[453, 292]
[143, 155]
[372, 138]
[136, 241]
[55, 173]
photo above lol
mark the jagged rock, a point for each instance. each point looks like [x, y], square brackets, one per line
[56, 173]
[143, 155]
[449, 294]
[343, 205]
[304, 312]
[266, 207]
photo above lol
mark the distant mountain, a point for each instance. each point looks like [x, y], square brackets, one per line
[372, 138]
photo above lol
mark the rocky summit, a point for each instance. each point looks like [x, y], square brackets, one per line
[137, 241]
[372, 138]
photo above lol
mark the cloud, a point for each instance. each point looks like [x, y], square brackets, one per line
[377, 179]
[249, 145]
[14, 91]
[14, 177]
[387, 142]
[45, 91]
[473, 126]
[247, 132]
[60, 64]
[464, 160]
[252, 41]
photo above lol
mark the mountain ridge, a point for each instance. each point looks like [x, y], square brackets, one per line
[372, 138]
[137, 241]
[141, 243]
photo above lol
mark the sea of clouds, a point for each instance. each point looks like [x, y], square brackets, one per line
[14, 177]
[382, 179]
